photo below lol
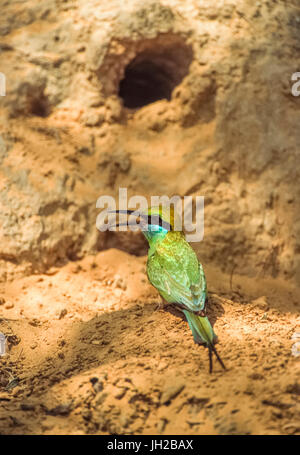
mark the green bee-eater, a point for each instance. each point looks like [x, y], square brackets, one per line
[174, 270]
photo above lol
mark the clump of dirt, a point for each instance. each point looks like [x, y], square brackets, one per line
[92, 350]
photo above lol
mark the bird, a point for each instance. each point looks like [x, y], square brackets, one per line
[174, 270]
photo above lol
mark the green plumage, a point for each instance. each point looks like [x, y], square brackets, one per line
[174, 270]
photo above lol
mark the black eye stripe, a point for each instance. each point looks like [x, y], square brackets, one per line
[157, 220]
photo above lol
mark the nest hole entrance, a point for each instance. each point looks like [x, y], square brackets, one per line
[154, 73]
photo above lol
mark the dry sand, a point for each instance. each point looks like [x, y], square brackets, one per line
[94, 352]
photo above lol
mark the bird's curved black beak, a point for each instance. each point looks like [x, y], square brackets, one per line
[145, 220]
[130, 222]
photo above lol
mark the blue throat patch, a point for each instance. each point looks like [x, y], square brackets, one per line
[153, 230]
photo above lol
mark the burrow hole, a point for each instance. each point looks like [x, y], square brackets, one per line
[154, 73]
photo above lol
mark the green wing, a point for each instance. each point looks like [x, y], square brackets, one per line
[173, 268]
[177, 274]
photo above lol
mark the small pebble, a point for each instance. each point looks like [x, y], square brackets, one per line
[291, 428]
[62, 314]
[119, 282]
[171, 391]
[120, 393]
[161, 425]
[9, 305]
[296, 349]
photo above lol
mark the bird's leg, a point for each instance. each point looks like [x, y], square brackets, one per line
[211, 349]
[210, 359]
[218, 357]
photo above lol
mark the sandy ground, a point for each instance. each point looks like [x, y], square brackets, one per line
[91, 350]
